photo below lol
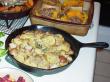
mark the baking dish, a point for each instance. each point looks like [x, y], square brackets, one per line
[70, 27]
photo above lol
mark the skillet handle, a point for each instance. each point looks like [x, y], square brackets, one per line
[96, 45]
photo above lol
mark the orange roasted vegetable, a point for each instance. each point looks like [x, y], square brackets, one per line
[29, 3]
[73, 3]
[18, 8]
[76, 13]
[15, 9]
[3, 8]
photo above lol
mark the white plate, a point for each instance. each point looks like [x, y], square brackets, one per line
[15, 74]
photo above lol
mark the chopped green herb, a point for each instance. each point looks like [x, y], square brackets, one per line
[1, 43]
[38, 45]
[45, 49]
[3, 52]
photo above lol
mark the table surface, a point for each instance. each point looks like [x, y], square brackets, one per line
[82, 69]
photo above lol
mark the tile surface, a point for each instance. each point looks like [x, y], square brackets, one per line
[103, 56]
[99, 78]
[102, 70]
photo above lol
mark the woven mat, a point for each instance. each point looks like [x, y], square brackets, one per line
[12, 24]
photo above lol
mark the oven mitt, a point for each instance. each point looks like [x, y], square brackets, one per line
[3, 52]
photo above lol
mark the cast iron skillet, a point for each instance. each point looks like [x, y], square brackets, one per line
[75, 46]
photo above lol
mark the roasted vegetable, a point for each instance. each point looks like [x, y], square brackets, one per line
[15, 5]
[70, 3]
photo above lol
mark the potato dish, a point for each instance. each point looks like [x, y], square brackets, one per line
[9, 6]
[63, 10]
[41, 49]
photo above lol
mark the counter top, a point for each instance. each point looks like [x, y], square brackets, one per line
[82, 69]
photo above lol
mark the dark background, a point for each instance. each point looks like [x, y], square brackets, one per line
[105, 12]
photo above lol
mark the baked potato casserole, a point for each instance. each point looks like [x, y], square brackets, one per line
[63, 10]
[41, 49]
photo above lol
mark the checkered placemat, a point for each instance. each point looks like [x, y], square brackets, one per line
[12, 24]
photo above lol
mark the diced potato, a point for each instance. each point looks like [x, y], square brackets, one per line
[59, 39]
[17, 41]
[52, 59]
[38, 51]
[43, 64]
[65, 46]
[20, 58]
[12, 45]
[48, 41]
